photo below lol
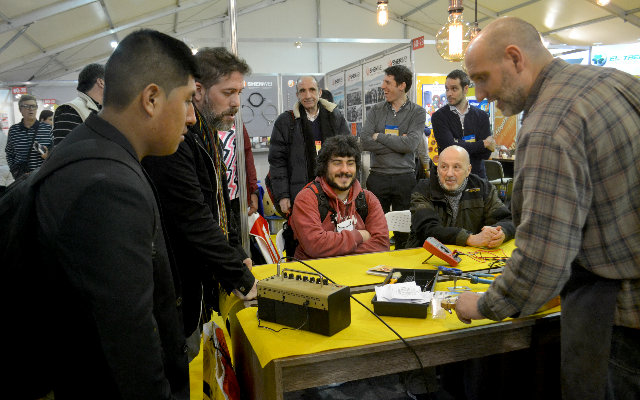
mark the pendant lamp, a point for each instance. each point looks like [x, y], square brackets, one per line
[454, 37]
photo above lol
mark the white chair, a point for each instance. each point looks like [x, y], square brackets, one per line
[399, 221]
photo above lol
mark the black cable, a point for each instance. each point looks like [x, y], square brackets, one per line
[275, 114]
[245, 120]
[426, 380]
[261, 98]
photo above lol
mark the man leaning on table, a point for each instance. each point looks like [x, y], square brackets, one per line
[458, 207]
[344, 230]
[576, 204]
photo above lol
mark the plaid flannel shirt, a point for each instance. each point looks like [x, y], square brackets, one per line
[576, 195]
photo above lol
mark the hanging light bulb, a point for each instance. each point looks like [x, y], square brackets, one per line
[603, 2]
[475, 30]
[454, 37]
[383, 12]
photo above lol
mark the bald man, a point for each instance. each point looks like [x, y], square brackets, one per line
[458, 207]
[576, 205]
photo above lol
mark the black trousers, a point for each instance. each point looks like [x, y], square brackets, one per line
[394, 193]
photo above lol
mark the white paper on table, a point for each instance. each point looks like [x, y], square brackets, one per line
[406, 292]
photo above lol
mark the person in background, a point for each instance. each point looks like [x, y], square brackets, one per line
[327, 95]
[90, 92]
[392, 133]
[115, 306]
[457, 207]
[228, 144]
[344, 230]
[29, 140]
[46, 116]
[576, 205]
[192, 186]
[462, 124]
[297, 137]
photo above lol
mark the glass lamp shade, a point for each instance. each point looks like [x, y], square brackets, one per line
[382, 13]
[453, 38]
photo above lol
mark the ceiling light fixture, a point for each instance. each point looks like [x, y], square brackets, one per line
[603, 2]
[475, 30]
[298, 44]
[454, 37]
[114, 44]
[383, 12]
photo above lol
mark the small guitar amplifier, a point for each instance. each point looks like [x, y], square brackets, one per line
[304, 300]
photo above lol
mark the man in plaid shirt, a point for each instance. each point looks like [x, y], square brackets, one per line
[576, 205]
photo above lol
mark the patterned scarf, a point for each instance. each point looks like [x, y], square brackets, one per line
[212, 144]
[453, 198]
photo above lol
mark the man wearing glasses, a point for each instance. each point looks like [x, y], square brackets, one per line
[29, 140]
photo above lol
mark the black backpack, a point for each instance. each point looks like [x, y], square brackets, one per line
[290, 243]
[24, 281]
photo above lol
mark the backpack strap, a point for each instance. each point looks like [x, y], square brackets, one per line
[361, 205]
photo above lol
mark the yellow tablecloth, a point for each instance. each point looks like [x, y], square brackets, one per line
[365, 328]
[351, 270]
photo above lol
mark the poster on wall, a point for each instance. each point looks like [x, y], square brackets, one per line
[353, 103]
[373, 72]
[373, 76]
[260, 107]
[335, 84]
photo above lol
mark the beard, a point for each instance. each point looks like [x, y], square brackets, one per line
[513, 98]
[332, 182]
[216, 121]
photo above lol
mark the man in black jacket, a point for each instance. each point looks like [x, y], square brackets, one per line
[192, 187]
[462, 124]
[296, 140]
[116, 330]
[457, 207]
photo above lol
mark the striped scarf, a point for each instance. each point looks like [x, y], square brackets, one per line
[212, 144]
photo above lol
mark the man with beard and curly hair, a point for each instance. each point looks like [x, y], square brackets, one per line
[346, 228]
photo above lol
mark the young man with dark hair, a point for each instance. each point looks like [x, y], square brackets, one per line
[392, 133]
[114, 306]
[29, 140]
[344, 230]
[297, 136]
[90, 92]
[462, 124]
[192, 186]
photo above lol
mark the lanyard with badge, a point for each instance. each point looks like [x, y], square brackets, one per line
[349, 224]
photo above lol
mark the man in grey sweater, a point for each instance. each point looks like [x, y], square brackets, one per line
[392, 132]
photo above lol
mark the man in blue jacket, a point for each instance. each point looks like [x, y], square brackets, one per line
[462, 124]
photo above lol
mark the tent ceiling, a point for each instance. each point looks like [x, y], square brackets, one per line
[48, 39]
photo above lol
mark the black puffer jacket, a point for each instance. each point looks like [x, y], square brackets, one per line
[292, 153]
[479, 206]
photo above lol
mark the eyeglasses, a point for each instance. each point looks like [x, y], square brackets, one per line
[29, 106]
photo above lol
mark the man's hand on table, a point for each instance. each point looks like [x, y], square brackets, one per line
[489, 236]
[467, 307]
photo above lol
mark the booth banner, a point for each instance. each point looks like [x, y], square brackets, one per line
[353, 106]
[625, 57]
[335, 84]
[373, 77]
[260, 106]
